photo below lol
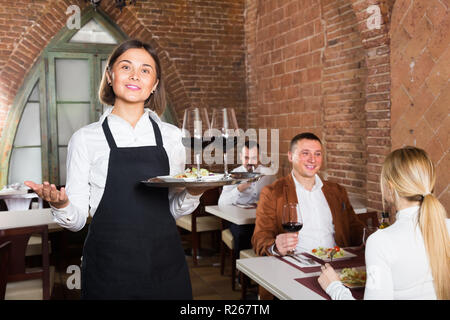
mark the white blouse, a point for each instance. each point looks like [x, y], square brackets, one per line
[88, 158]
[396, 262]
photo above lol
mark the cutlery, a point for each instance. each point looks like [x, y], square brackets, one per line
[332, 253]
[301, 259]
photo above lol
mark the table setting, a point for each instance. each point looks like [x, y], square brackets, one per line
[17, 196]
[198, 133]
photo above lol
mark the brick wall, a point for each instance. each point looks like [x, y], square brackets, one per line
[344, 76]
[284, 68]
[312, 66]
[200, 44]
[420, 56]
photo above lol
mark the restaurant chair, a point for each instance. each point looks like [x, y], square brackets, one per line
[228, 241]
[369, 219]
[244, 254]
[4, 264]
[200, 221]
[27, 283]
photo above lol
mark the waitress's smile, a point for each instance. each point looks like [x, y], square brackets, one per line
[132, 87]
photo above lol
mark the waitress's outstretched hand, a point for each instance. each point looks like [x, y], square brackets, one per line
[48, 192]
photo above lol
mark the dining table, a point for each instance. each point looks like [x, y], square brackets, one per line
[288, 279]
[233, 213]
[28, 218]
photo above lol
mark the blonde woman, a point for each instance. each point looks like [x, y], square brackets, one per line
[411, 258]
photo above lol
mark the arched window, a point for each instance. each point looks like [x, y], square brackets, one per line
[58, 97]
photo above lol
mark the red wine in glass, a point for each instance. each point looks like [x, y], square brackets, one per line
[292, 226]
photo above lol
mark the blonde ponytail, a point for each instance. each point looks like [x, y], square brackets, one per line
[437, 243]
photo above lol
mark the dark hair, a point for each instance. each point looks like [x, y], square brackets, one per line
[157, 100]
[301, 136]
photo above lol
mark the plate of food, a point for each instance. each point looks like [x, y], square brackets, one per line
[353, 278]
[337, 253]
[188, 178]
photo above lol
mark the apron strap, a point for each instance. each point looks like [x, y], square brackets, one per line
[108, 134]
[157, 132]
[112, 143]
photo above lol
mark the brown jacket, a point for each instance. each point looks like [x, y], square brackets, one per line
[348, 228]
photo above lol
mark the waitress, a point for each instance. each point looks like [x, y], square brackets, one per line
[133, 249]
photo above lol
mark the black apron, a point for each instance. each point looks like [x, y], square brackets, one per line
[133, 249]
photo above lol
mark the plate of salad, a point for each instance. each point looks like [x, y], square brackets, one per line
[353, 278]
[337, 252]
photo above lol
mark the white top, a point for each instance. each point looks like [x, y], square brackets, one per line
[230, 194]
[88, 158]
[318, 228]
[396, 262]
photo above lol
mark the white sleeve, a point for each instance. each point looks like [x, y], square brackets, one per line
[229, 195]
[73, 217]
[180, 201]
[379, 284]
[337, 291]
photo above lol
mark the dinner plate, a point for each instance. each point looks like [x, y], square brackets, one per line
[245, 205]
[172, 179]
[211, 181]
[347, 255]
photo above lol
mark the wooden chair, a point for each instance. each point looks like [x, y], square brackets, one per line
[228, 241]
[200, 221]
[25, 283]
[4, 263]
[369, 218]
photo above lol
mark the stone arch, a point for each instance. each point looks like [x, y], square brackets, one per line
[50, 22]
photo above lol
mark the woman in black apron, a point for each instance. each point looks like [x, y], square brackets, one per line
[133, 249]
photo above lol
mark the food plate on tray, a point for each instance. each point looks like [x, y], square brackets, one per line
[208, 179]
[353, 277]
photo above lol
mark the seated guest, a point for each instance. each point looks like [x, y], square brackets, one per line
[328, 217]
[411, 258]
[246, 193]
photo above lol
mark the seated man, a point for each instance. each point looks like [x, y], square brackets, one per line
[246, 193]
[328, 217]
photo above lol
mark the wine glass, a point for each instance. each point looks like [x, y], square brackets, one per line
[366, 234]
[224, 121]
[291, 220]
[195, 122]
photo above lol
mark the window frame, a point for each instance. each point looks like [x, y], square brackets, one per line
[43, 71]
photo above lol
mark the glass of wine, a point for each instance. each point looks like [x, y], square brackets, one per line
[195, 122]
[292, 220]
[224, 121]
